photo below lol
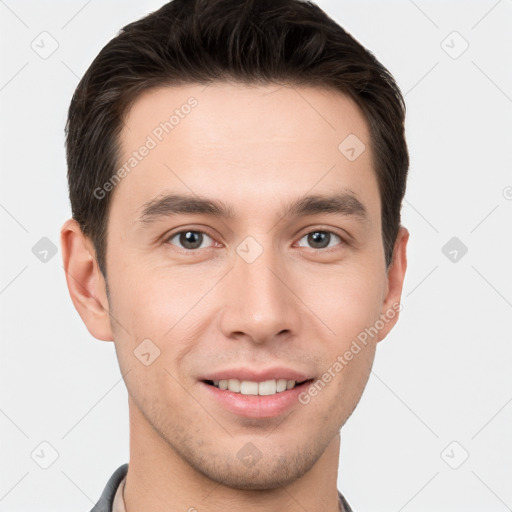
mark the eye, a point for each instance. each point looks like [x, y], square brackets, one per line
[321, 239]
[189, 239]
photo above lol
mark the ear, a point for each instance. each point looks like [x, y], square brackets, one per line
[86, 284]
[395, 279]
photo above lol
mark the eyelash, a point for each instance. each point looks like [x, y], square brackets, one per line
[318, 230]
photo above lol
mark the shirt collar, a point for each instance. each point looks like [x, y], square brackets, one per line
[118, 503]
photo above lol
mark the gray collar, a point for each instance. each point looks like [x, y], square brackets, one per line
[106, 500]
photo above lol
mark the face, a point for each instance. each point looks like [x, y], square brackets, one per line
[251, 281]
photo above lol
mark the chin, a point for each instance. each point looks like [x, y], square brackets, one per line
[262, 479]
[275, 472]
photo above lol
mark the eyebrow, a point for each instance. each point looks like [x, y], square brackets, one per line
[344, 203]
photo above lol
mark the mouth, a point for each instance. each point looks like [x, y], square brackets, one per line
[255, 399]
[252, 392]
[263, 388]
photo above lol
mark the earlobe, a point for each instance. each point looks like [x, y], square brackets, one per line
[395, 280]
[85, 281]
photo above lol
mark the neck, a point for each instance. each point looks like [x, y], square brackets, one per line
[160, 480]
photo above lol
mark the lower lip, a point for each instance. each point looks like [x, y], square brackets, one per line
[256, 406]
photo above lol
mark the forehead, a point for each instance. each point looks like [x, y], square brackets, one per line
[285, 114]
[244, 142]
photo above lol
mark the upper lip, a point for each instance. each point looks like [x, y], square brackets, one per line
[258, 375]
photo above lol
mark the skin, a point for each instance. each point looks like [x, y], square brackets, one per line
[255, 148]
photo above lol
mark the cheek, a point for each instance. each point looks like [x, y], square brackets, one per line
[148, 302]
[150, 320]
[156, 317]
[347, 299]
[349, 304]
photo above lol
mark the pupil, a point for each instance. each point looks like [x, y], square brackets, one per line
[319, 239]
[189, 239]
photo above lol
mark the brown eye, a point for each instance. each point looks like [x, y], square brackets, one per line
[320, 239]
[190, 239]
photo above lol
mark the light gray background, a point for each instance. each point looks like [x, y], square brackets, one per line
[441, 388]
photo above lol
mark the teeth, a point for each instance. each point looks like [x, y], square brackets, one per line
[247, 387]
[281, 385]
[234, 385]
[268, 387]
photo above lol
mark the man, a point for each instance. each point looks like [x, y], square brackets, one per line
[236, 172]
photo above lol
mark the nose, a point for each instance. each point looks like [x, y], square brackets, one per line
[258, 300]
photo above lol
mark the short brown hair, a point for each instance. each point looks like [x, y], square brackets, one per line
[247, 41]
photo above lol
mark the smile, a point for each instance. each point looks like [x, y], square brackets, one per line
[253, 399]
[247, 387]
